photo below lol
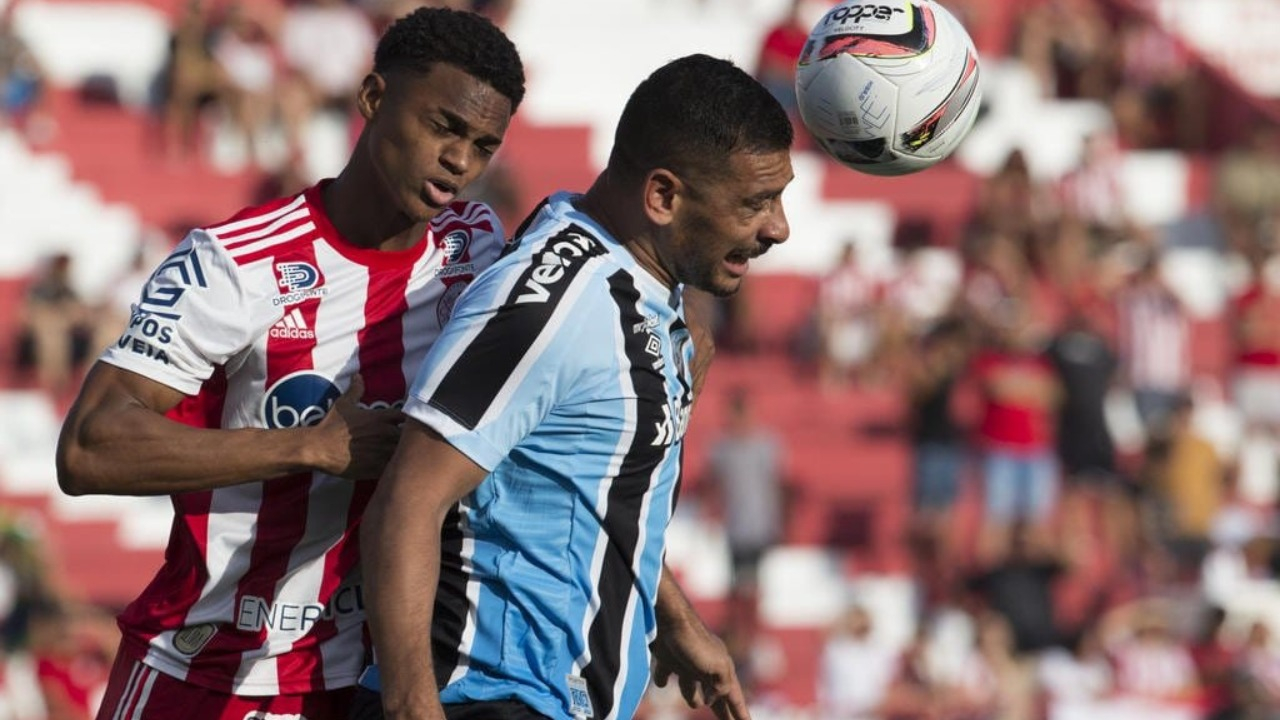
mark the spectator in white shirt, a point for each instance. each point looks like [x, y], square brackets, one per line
[855, 669]
[326, 46]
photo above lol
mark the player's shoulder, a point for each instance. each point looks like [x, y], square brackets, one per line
[556, 257]
[557, 224]
[471, 213]
[267, 229]
[470, 224]
[257, 217]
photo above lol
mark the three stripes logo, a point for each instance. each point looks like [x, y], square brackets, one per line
[292, 327]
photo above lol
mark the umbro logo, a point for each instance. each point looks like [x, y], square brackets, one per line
[292, 327]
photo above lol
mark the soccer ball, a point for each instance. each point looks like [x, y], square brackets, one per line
[888, 87]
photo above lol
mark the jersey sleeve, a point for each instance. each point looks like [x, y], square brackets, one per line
[490, 238]
[499, 368]
[190, 318]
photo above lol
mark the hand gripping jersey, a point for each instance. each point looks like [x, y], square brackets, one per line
[565, 373]
[263, 320]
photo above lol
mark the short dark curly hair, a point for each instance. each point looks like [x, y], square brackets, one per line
[463, 39]
[691, 114]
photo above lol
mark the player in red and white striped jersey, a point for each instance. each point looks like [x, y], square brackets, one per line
[260, 377]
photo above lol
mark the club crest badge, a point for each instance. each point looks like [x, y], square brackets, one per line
[444, 306]
[192, 639]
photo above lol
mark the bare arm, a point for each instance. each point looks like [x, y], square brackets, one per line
[116, 440]
[685, 648]
[400, 541]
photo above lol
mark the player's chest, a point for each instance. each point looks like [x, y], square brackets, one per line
[316, 314]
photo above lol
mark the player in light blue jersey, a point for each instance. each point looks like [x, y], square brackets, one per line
[513, 551]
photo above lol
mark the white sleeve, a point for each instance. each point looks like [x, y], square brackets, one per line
[190, 318]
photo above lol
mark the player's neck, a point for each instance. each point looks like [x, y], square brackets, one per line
[366, 220]
[596, 204]
[607, 203]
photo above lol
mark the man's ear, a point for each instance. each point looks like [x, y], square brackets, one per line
[372, 90]
[662, 190]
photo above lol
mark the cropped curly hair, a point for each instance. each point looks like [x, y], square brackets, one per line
[463, 39]
[695, 111]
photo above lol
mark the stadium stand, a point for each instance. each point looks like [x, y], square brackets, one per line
[97, 185]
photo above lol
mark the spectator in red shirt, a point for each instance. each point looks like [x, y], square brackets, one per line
[781, 48]
[72, 661]
[1256, 381]
[1215, 659]
[1018, 392]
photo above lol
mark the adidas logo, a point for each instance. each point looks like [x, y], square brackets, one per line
[292, 327]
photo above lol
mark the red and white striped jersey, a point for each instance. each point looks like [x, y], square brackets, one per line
[262, 321]
[1154, 339]
[1160, 670]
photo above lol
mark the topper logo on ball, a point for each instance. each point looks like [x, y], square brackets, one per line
[857, 13]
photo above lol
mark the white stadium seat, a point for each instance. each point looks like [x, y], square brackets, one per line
[74, 41]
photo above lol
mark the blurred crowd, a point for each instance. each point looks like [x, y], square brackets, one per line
[259, 88]
[1094, 461]
[55, 650]
[1123, 561]
[22, 84]
[248, 83]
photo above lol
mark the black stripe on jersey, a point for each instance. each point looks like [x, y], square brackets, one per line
[449, 617]
[626, 500]
[514, 241]
[471, 384]
[679, 336]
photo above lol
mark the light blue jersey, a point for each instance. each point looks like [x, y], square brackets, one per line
[565, 373]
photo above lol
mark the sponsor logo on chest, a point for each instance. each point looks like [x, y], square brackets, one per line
[297, 281]
[256, 613]
[298, 400]
[550, 266]
[302, 399]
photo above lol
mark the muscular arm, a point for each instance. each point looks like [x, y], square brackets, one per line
[684, 647]
[400, 541]
[116, 440]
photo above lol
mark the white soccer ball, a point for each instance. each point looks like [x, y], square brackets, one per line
[888, 87]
